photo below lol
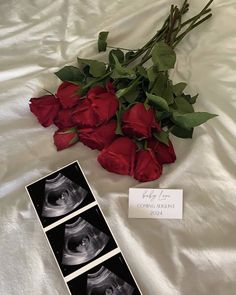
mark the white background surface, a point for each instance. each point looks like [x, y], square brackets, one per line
[196, 255]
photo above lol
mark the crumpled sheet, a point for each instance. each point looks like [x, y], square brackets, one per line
[196, 255]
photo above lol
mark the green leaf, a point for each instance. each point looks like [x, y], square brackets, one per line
[121, 72]
[84, 61]
[163, 56]
[102, 41]
[86, 69]
[182, 133]
[132, 95]
[159, 83]
[162, 137]
[152, 74]
[96, 68]
[179, 88]
[142, 72]
[161, 86]
[118, 53]
[162, 115]
[70, 73]
[168, 94]
[74, 140]
[158, 102]
[193, 99]
[146, 105]
[190, 120]
[129, 55]
[183, 106]
[122, 83]
[130, 92]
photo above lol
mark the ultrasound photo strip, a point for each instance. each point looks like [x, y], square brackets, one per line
[78, 234]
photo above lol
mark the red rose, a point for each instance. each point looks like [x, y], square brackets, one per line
[119, 156]
[65, 138]
[96, 90]
[147, 167]
[138, 121]
[98, 137]
[98, 108]
[164, 153]
[64, 119]
[67, 96]
[45, 108]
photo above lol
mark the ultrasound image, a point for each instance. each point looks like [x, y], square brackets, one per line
[61, 196]
[111, 277]
[105, 282]
[82, 242]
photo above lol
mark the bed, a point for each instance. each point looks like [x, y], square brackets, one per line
[195, 255]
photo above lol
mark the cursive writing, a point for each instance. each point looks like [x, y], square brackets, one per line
[151, 195]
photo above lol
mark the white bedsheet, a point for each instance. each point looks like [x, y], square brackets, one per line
[196, 255]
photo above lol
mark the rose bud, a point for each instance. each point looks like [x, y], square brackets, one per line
[147, 167]
[67, 95]
[119, 156]
[64, 119]
[65, 138]
[98, 137]
[138, 121]
[45, 108]
[98, 108]
[164, 153]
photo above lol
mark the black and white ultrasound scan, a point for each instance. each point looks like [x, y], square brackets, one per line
[81, 240]
[60, 194]
[112, 277]
[106, 282]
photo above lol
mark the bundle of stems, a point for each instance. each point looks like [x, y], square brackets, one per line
[173, 29]
[172, 32]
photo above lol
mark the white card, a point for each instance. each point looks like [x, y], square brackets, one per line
[155, 203]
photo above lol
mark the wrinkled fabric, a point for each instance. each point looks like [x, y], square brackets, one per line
[196, 255]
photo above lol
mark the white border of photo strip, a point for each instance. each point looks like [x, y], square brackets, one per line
[97, 261]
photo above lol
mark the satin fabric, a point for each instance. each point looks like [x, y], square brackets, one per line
[196, 255]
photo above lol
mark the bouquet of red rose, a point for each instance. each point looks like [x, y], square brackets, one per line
[125, 109]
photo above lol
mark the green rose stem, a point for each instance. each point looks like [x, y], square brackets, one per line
[170, 32]
[193, 24]
[160, 33]
[169, 29]
[178, 39]
[122, 48]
